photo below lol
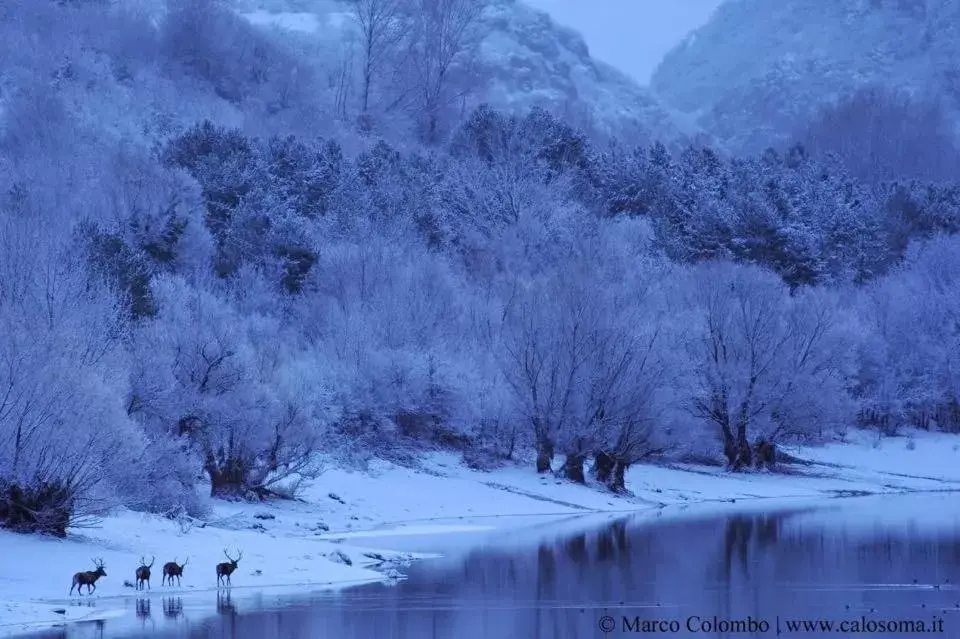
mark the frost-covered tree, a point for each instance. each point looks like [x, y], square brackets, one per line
[766, 366]
[252, 405]
[381, 33]
[62, 423]
[443, 35]
[909, 375]
[583, 362]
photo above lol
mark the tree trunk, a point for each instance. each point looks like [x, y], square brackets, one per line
[573, 468]
[745, 459]
[737, 450]
[544, 455]
[603, 466]
[765, 454]
[619, 482]
[730, 448]
[227, 482]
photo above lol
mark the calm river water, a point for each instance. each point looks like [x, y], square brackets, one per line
[867, 562]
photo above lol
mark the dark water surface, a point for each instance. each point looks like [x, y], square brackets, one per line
[862, 560]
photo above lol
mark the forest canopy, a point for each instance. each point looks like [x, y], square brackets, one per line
[217, 298]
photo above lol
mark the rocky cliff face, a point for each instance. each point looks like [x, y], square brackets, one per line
[525, 59]
[531, 60]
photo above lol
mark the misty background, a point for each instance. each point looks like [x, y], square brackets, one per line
[632, 35]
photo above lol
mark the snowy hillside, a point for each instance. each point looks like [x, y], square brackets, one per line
[525, 59]
[531, 60]
[758, 67]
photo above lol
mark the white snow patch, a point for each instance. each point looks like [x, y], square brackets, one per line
[35, 586]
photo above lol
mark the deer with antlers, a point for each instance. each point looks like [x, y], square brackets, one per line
[226, 568]
[88, 578]
[172, 569]
[143, 573]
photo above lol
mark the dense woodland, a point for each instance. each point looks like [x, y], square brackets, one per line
[203, 290]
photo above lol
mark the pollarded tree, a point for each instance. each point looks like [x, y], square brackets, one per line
[548, 336]
[252, 407]
[580, 359]
[633, 370]
[767, 365]
[622, 397]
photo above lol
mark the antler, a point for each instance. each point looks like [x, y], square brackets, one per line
[98, 562]
[153, 558]
[185, 561]
[231, 558]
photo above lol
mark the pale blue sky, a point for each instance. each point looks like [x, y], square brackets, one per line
[632, 35]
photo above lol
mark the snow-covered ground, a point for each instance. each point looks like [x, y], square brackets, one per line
[295, 547]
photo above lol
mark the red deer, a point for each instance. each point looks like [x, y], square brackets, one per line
[88, 578]
[171, 569]
[226, 568]
[143, 573]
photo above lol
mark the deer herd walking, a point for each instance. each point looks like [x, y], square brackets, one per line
[171, 569]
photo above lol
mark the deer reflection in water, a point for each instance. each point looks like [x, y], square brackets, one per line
[224, 604]
[143, 612]
[172, 607]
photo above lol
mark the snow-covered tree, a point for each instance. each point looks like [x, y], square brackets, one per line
[767, 366]
[62, 380]
[381, 33]
[252, 404]
[443, 35]
[910, 375]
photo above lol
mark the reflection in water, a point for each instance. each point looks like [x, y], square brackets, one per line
[224, 604]
[143, 608]
[143, 611]
[227, 626]
[172, 607]
[789, 564]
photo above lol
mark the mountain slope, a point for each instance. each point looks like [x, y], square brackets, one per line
[532, 60]
[525, 59]
[758, 67]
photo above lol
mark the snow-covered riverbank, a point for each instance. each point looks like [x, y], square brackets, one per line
[300, 546]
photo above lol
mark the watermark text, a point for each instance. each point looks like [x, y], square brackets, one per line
[776, 626]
